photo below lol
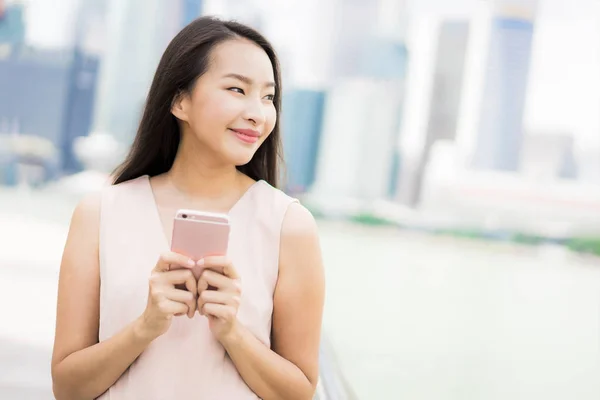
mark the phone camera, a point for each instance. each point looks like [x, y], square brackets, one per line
[184, 216]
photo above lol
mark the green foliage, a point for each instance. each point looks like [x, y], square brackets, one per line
[587, 245]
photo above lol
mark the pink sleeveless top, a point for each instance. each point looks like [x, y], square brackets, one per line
[187, 362]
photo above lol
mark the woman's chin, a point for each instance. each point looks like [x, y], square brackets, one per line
[239, 153]
[241, 158]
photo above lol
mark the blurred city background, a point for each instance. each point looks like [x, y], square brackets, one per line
[449, 149]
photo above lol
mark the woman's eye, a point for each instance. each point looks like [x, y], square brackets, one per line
[270, 97]
[236, 89]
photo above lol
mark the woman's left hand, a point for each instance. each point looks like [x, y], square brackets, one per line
[219, 296]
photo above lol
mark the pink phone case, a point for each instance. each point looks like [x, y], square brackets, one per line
[198, 234]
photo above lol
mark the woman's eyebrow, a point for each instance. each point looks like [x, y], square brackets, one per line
[246, 80]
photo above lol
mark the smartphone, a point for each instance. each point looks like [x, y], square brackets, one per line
[199, 234]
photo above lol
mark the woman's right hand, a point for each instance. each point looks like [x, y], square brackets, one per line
[164, 299]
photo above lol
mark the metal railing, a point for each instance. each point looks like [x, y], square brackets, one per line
[332, 384]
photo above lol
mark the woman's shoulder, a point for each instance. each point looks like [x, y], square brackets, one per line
[89, 208]
[275, 194]
[85, 218]
[128, 184]
[298, 222]
[114, 191]
[296, 219]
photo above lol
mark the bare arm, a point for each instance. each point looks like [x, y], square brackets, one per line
[82, 368]
[290, 370]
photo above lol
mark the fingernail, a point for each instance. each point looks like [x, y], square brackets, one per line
[200, 262]
[191, 262]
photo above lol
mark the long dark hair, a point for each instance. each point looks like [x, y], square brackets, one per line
[186, 58]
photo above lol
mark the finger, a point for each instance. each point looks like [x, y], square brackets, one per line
[177, 276]
[221, 264]
[170, 258]
[191, 284]
[219, 281]
[174, 307]
[202, 284]
[216, 297]
[227, 313]
[185, 297]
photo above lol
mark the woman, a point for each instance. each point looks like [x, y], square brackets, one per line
[209, 140]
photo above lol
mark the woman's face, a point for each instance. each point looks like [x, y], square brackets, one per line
[230, 111]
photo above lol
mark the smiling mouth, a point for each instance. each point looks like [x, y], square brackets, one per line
[245, 137]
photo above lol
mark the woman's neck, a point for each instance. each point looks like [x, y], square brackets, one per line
[195, 178]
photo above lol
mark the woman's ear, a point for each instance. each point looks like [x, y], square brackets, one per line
[180, 106]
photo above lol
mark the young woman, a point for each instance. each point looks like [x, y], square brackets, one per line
[208, 140]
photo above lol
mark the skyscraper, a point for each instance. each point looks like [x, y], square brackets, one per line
[434, 96]
[79, 104]
[302, 123]
[12, 24]
[138, 31]
[499, 60]
[588, 158]
[47, 92]
[191, 9]
[447, 82]
[549, 155]
[82, 79]
[440, 115]
[358, 158]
